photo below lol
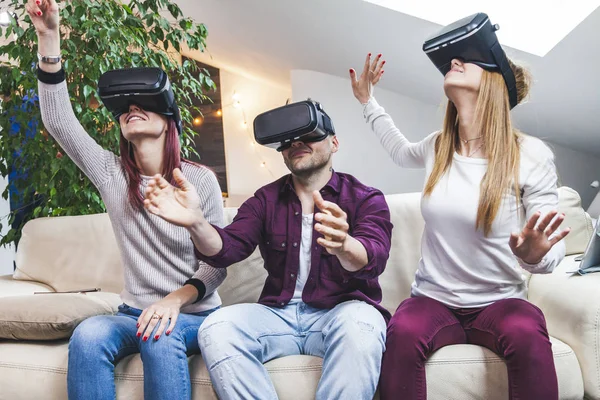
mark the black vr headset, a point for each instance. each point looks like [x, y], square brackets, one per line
[473, 40]
[304, 120]
[148, 88]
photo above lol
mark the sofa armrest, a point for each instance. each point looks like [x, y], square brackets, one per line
[571, 305]
[15, 287]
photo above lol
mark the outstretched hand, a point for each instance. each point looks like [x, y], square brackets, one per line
[362, 86]
[177, 205]
[534, 242]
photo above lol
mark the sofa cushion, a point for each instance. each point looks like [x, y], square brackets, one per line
[454, 372]
[580, 222]
[69, 253]
[467, 372]
[51, 316]
[13, 287]
[406, 248]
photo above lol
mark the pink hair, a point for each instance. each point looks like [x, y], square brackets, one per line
[171, 160]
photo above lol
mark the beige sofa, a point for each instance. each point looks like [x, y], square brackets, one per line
[76, 252]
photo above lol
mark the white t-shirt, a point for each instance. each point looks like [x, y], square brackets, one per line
[459, 266]
[304, 264]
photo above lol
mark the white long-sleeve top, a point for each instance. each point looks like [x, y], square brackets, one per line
[459, 266]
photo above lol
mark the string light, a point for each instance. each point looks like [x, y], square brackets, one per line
[236, 103]
[197, 121]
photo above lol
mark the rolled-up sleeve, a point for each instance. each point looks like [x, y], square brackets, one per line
[241, 237]
[372, 227]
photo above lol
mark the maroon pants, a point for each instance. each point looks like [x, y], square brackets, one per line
[512, 328]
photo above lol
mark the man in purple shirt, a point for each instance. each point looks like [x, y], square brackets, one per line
[325, 239]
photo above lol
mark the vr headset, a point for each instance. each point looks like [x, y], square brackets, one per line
[473, 40]
[147, 87]
[304, 120]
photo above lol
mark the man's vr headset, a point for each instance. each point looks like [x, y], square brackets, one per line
[147, 87]
[473, 40]
[304, 120]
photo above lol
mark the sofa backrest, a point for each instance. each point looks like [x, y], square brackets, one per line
[69, 253]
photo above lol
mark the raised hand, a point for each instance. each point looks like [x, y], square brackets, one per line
[362, 86]
[44, 16]
[533, 242]
[332, 223]
[177, 205]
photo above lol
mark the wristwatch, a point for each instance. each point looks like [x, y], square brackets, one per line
[49, 59]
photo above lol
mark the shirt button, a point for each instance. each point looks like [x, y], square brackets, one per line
[295, 244]
[283, 244]
[268, 242]
[282, 304]
[292, 275]
[296, 213]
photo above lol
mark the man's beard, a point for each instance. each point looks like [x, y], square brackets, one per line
[306, 169]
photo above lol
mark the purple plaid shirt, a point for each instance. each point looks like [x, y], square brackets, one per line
[272, 219]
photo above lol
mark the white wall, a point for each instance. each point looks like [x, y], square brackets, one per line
[577, 170]
[245, 173]
[7, 255]
[362, 155]
[360, 152]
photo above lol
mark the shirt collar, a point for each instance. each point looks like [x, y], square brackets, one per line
[333, 185]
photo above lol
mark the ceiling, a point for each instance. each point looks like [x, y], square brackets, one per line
[268, 38]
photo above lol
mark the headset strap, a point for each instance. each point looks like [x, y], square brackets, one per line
[507, 73]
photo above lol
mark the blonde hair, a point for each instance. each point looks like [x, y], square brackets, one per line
[501, 142]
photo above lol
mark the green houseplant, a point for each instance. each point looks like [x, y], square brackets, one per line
[97, 35]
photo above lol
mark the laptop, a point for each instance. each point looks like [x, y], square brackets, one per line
[590, 261]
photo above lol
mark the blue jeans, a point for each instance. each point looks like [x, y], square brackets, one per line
[98, 343]
[235, 342]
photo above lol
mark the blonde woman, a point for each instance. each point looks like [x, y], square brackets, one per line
[484, 180]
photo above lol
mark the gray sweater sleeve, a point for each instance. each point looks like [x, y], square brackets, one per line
[59, 119]
[212, 205]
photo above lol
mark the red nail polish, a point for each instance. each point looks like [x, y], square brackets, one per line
[156, 337]
[350, 70]
[379, 55]
[168, 332]
[383, 63]
[38, 2]
[138, 325]
[382, 71]
[369, 54]
[39, 13]
[139, 334]
[145, 338]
